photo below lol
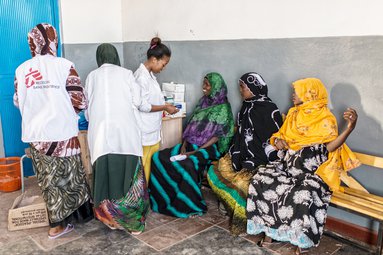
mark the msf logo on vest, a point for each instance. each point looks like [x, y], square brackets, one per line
[32, 77]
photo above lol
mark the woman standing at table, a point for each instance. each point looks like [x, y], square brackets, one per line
[153, 103]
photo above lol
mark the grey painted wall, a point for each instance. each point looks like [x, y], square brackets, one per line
[84, 57]
[350, 67]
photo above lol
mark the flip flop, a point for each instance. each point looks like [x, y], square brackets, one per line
[136, 233]
[67, 230]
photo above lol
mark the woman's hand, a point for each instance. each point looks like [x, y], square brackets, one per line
[188, 154]
[351, 117]
[183, 148]
[280, 144]
[171, 109]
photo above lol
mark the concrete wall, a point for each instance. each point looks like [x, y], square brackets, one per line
[84, 57]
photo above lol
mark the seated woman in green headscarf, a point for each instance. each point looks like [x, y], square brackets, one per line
[175, 185]
[119, 188]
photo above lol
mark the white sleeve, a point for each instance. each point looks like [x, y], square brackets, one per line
[144, 92]
[86, 92]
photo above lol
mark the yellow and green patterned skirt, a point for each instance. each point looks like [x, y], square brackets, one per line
[231, 188]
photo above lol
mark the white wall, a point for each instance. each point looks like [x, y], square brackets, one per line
[253, 19]
[91, 21]
[97, 21]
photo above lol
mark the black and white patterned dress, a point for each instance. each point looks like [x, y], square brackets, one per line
[288, 201]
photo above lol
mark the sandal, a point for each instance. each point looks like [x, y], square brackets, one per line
[265, 240]
[221, 209]
[69, 228]
[136, 233]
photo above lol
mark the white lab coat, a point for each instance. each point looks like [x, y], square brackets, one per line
[150, 95]
[114, 121]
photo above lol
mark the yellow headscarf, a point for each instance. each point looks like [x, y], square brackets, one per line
[312, 123]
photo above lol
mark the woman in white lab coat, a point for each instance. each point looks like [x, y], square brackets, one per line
[119, 189]
[153, 103]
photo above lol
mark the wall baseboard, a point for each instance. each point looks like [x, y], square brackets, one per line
[351, 230]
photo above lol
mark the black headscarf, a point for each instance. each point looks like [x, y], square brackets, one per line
[257, 120]
[107, 53]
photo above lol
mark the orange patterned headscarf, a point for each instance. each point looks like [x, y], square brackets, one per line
[312, 123]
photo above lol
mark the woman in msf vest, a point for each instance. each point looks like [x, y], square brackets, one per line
[257, 120]
[119, 187]
[49, 95]
[288, 200]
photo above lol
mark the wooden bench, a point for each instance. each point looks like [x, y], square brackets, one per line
[356, 199]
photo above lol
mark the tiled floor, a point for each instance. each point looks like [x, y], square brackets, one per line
[163, 235]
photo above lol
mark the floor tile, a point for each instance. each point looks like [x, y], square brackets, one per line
[327, 245]
[189, 226]
[130, 246]
[161, 237]
[94, 242]
[276, 246]
[11, 236]
[42, 240]
[163, 219]
[214, 217]
[216, 240]
[253, 238]
[152, 223]
[225, 224]
[187, 247]
[90, 226]
[25, 246]
[286, 249]
[350, 250]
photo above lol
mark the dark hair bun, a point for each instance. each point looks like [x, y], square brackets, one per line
[155, 41]
[157, 49]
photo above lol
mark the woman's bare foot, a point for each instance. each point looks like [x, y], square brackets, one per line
[193, 216]
[55, 231]
[58, 231]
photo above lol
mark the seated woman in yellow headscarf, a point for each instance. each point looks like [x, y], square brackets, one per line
[288, 200]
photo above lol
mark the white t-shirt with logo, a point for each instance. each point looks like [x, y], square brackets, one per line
[45, 106]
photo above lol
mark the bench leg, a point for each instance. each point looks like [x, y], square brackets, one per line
[379, 243]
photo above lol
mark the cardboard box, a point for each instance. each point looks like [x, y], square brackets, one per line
[173, 87]
[167, 93]
[169, 86]
[27, 212]
[179, 97]
[85, 153]
[179, 88]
